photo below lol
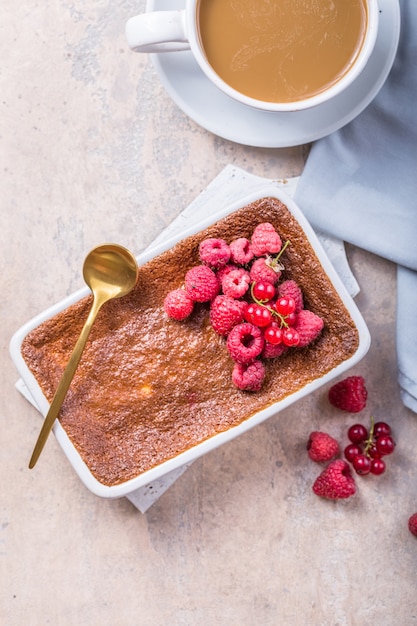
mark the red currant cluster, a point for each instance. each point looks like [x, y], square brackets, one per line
[367, 448]
[275, 318]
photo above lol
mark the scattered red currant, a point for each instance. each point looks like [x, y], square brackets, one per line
[373, 452]
[377, 466]
[385, 444]
[357, 433]
[381, 428]
[361, 464]
[367, 448]
[351, 451]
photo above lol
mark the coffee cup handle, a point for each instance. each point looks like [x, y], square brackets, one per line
[157, 31]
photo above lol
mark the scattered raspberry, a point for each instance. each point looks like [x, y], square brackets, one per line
[249, 377]
[262, 272]
[178, 305]
[226, 312]
[290, 289]
[309, 326]
[322, 447]
[214, 252]
[236, 283]
[265, 240]
[412, 524]
[201, 284]
[335, 482]
[349, 394]
[245, 342]
[241, 251]
[272, 352]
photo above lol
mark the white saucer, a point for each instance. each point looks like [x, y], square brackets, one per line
[194, 94]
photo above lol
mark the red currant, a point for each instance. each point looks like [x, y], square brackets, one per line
[263, 291]
[377, 467]
[258, 315]
[357, 433]
[291, 318]
[248, 313]
[373, 452]
[381, 428]
[361, 464]
[385, 444]
[351, 451]
[273, 334]
[290, 337]
[285, 306]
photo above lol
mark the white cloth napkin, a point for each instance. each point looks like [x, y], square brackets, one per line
[360, 184]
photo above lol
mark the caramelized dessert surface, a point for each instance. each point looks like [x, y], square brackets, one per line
[148, 387]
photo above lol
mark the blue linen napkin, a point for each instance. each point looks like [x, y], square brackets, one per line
[360, 184]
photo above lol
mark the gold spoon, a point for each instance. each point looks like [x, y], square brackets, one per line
[110, 271]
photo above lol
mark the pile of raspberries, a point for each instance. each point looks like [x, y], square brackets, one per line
[260, 315]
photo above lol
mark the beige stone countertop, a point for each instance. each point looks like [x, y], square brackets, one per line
[92, 150]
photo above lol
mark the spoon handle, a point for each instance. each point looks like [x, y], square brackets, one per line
[65, 382]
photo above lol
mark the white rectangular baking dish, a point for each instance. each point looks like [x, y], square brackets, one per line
[206, 446]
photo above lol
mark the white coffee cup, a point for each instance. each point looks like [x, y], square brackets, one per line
[170, 31]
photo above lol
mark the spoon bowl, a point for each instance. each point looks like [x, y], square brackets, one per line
[111, 272]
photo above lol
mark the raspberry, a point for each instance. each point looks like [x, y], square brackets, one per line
[262, 272]
[178, 305]
[290, 289]
[223, 271]
[249, 377]
[241, 251]
[322, 447]
[214, 252]
[349, 394]
[309, 326]
[244, 343]
[226, 312]
[265, 240]
[271, 352]
[236, 283]
[201, 284]
[335, 482]
[412, 524]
